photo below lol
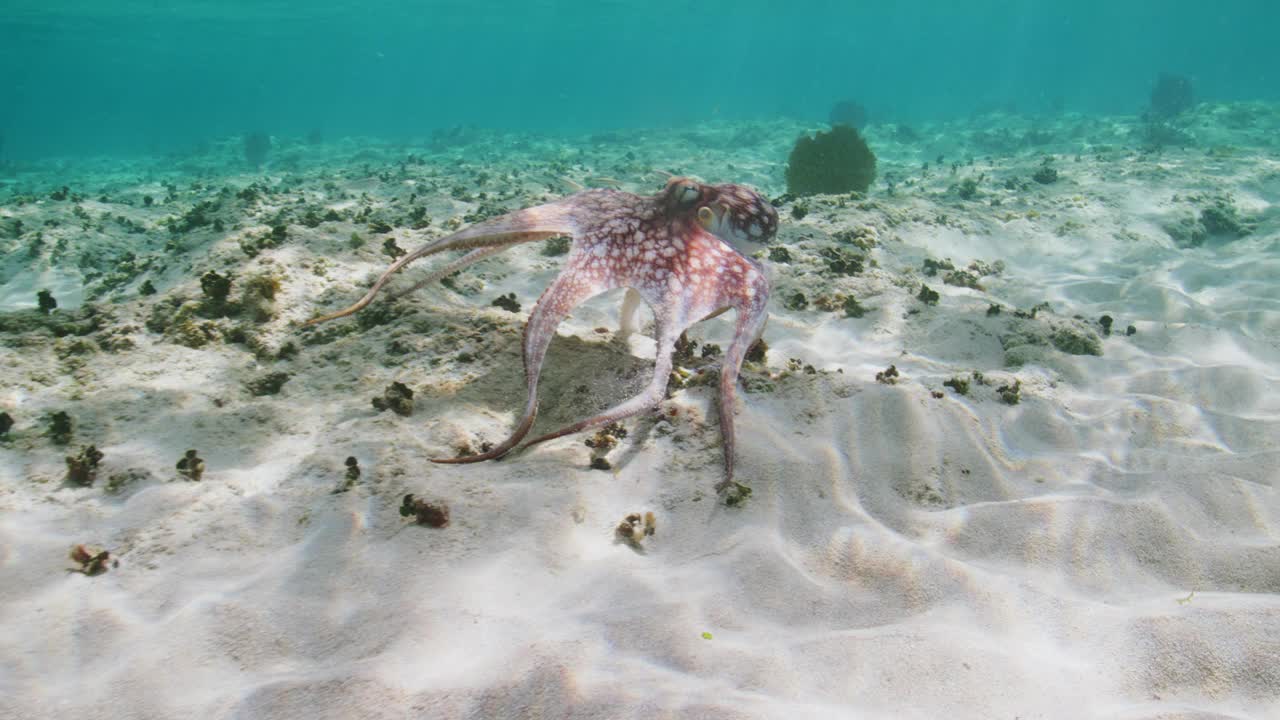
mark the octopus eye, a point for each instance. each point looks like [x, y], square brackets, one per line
[706, 217]
[687, 194]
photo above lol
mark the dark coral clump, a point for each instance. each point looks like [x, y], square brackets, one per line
[46, 302]
[1171, 96]
[216, 288]
[268, 384]
[507, 302]
[397, 397]
[82, 469]
[832, 162]
[191, 466]
[6, 423]
[425, 513]
[60, 427]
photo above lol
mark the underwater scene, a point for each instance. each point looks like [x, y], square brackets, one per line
[640, 360]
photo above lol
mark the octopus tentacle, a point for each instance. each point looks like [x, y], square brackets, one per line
[535, 223]
[751, 321]
[571, 288]
[445, 271]
[648, 398]
[629, 315]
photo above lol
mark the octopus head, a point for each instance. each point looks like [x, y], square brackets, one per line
[736, 214]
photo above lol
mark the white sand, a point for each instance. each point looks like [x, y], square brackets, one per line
[1109, 547]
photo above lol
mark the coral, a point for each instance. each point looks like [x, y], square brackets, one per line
[959, 384]
[779, 254]
[397, 397]
[796, 301]
[635, 527]
[216, 289]
[1010, 394]
[1076, 341]
[60, 427]
[848, 112]
[507, 302]
[556, 246]
[268, 384]
[927, 295]
[852, 308]
[425, 513]
[350, 476]
[1171, 96]
[1105, 321]
[6, 424]
[92, 561]
[118, 482]
[931, 267]
[82, 469]
[1045, 174]
[842, 262]
[838, 161]
[1221, 219]
[736, 495]
[962, 278]
[256, 147]
[46, 302]
[888, 376]
[191, 466]
[257, 296]
[391, 249]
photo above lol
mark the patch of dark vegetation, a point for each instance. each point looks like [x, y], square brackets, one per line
[927, 295]
[82, 469]
[931, 267]
[45, 302]
[190, 466]
[60, 427]
[1010, 394]
[779, 254]
[397, 397]
[350, 477]
[267, 384]
[962, 278]
[393, 250]
[852, 308]
[832, 162]
[507, 302]
[1046, 174]
[6, 424]
[84, 320]
[434, 515]
[556, 246]
[888, 376]
[959, 384]
[1076, 341]
[842, 262]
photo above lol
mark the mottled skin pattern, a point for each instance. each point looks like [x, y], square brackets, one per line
[674, 250]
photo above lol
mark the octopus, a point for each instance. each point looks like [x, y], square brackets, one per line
[679, 251]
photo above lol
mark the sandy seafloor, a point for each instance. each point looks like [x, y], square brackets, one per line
[1108, 547]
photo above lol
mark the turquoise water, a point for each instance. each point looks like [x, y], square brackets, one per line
[113, 76]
